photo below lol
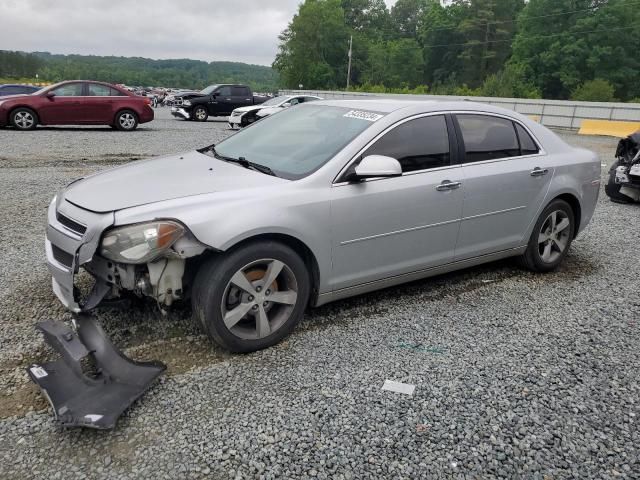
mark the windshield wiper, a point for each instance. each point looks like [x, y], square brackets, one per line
[243, 162]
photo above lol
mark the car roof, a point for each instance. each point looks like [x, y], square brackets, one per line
[384, 105]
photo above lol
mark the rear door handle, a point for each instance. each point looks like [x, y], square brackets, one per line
[539, 172]
[448, 185]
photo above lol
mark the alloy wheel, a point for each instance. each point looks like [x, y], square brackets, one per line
[259, 299]
[553, 238]
[24, 119]
[200, 113]
[127, 121]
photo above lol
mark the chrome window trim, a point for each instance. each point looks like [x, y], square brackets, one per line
[541, 150]
[380, 135]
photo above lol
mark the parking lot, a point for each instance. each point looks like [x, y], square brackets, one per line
[518, 375]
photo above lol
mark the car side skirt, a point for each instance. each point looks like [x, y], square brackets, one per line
[417, 275]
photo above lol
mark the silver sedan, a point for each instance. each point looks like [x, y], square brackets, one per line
[323, 201]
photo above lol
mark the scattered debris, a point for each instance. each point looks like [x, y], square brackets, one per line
[419, 347]
[398, 387]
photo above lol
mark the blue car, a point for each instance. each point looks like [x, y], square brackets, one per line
[11, 89]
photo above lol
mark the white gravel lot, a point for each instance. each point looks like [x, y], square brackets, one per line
[517, 375]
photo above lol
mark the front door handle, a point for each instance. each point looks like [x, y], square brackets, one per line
[448, 185]
[539, 172]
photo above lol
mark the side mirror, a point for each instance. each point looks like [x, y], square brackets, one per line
[215, 94]
[286, 105]
[378, 166]
[50, 94]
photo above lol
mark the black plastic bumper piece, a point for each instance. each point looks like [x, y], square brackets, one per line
[92, 383]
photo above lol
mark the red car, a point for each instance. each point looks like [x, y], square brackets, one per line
[76, 102]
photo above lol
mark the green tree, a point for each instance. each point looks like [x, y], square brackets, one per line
[598, 39]
[313, 49]
[405, 16]
[597, 90]
[509, 83]
[488, 28]
[396, 63]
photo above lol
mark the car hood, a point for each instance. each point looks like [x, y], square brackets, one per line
[164, 178]
[191, 95]
[250, 108]
[11, 97]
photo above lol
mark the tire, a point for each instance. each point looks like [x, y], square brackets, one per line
[612, 189]
[200, 114]
[24, 118]
[126, 121]
[216, 295]
[549, 241]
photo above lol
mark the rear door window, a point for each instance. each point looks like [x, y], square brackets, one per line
[418, 144]
[97, 90]
[240, 91]
[488, 138]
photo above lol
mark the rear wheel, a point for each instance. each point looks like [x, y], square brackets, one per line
[551, 238]
[253, 297]
[24, 118]
[126, 120]
[200, 114]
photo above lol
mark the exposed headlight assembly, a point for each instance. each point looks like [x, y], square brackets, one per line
[140, 243]
[186, 103]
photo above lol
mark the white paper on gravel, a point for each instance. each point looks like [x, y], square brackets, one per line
[398, 387]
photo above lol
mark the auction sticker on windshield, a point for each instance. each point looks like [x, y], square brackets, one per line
[362, 115]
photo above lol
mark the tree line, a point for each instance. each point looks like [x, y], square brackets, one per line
[180, 73]
[556, 49]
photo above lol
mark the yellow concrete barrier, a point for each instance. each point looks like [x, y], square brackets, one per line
[608, 127]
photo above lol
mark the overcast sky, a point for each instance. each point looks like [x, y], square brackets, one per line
[236, 30]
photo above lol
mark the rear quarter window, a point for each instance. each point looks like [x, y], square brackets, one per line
[527, 145]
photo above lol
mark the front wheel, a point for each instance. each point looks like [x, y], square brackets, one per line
[551, 238]
[200, 114]
[126, 120]
[24, 119]
[252, 297]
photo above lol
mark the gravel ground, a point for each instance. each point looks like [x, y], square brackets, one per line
[517, 375]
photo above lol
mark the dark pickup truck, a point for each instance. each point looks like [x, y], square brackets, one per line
[214, 101]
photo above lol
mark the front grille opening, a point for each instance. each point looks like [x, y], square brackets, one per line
[71, 224]
[61, 256]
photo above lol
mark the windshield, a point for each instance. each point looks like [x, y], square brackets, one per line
[208, 90]
[48, 87]
[275, 101]
[297, 141]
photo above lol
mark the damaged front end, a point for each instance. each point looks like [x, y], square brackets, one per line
[624, 175]
[148, 259]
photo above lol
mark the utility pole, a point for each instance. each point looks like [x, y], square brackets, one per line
[349, 68]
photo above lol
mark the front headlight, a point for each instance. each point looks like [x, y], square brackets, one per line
[186, 103]
[140, 243]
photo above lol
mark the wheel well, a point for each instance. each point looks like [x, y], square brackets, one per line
[300, 248]
[574, 203]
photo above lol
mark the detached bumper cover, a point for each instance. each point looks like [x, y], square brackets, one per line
[180, 112]
[92, 399]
